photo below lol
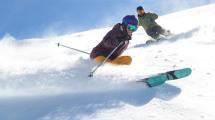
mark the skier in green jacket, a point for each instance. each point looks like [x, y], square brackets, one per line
[147, 21]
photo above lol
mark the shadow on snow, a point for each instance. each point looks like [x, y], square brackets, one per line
[75, 106]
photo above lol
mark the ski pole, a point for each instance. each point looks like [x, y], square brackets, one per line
[58, 44]
[102, 63]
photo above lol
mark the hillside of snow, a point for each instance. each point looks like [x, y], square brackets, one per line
[40, 81]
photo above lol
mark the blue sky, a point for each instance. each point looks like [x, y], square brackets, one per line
[38, 18]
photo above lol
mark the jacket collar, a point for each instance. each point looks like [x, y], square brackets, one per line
[123, 28]
[142, 15]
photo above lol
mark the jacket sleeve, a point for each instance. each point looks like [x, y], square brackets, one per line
[154, 16]
[140, 21]
[111, 40]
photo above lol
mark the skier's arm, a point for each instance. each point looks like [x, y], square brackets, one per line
[110, 43]
[154, 16]
[112, 39]
[140, 21]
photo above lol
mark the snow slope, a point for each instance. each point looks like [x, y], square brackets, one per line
[39, 81]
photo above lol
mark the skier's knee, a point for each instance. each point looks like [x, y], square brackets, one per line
[155, 36]
[99, 59]
[122, 60]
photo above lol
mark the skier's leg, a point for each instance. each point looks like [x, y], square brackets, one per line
[167, 33]
[163, 31]
[122, 60]
[100, 59]
[153, 32]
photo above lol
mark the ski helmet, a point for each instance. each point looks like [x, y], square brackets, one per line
[130, 20]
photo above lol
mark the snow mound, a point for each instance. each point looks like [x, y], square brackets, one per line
[40, 81]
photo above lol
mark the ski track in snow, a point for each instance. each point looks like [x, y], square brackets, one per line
[40, 81]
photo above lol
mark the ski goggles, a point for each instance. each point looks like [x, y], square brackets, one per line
[132, 27]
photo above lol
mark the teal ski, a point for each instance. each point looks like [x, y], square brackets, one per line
[161, 78]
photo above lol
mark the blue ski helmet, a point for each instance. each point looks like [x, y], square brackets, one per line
[130, 20]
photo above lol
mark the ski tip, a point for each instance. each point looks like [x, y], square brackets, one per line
[183, 72]
[188, 70]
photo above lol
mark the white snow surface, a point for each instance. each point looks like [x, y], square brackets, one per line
[40, 81]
